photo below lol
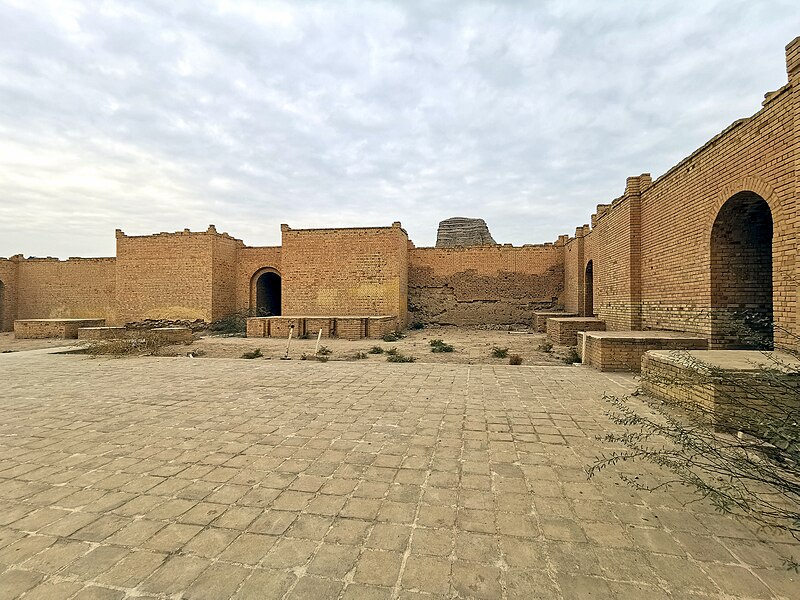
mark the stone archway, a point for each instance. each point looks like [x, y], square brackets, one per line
[588, 290]
[266, 293]
[741, 274]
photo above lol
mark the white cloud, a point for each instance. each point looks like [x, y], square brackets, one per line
[153, 117]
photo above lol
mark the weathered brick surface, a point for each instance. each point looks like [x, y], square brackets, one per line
[563, 331]
[349, 328]
[359, 271]
[724, 388]
[623, 351]
[540, 319]
[52, 328]
[499, 285]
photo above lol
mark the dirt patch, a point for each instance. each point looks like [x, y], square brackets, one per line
[470, 346]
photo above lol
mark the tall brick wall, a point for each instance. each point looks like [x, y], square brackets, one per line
[651, 249]
[679, 210]
[75, 288]
[358, 271]
[165, 276]
[497, 285]
[225, 250]
[250, 262]
[8, 293]
[574, 265]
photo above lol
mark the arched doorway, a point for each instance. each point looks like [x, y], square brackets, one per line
[267, 296]
[588, 286]
[741, 274]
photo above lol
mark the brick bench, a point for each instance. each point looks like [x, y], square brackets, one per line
[29, 329]
[345, 327]
[722, 381]
[623, 350]
[564, 331]
[540, 319]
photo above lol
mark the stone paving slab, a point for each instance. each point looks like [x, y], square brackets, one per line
[213, 479]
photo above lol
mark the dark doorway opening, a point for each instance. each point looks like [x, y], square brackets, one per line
[741, 274]
[268, 295]
[588, 301]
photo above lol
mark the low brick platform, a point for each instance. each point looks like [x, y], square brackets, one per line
[540, 319]
[30, 329]
[623, 350]
[102, 333]
[722, 381]
[564, 331]
[345, 327]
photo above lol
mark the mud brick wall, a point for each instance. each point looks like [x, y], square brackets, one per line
[496, 285]
[225, 258]
[175, 275]
[359, 271]
[8, 293]
[679, 210]
[75, 288]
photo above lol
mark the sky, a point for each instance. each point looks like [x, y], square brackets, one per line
[158, 116]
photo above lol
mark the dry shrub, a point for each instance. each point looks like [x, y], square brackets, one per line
[515, 359]
[142, 345]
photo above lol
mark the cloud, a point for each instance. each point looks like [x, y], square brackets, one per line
[154, 117]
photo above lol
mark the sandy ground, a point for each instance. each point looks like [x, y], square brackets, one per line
[471, 346]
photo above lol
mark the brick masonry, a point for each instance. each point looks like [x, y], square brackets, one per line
[564, 331]
[623, 351]
[657, 258]
[52, 328]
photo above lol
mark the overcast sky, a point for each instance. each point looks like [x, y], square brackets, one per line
[155, 116]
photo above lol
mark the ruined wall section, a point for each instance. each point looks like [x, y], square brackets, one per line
[75, 288]
[165, 276]
[347, 271]
[485, 285]
[8, 292]
[251, 260]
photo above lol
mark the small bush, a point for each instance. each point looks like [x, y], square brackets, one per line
[144, 345]
[360, 355]
[324, 351]
[392, 352]
[305, 336]
[515, 359]
[499, 352]
[399, 358]
[375, 350]
[417, 325]
[545, 346]
[391, 337]
[441, 346]
[572, 356]
[322, 358]
[253, 354]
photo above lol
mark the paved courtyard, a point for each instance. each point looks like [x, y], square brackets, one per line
[218, 478]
